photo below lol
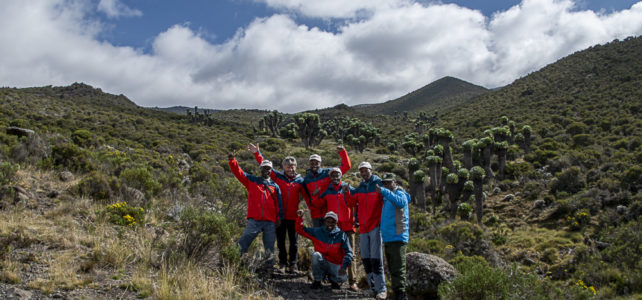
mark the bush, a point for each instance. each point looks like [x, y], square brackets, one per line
[123, 214]
[8, 172]
[569, 180]
[203, 230]
[478, 280]
[96, 186]
[82, 138]
[140, 178]
[464, 210]
[70, 156]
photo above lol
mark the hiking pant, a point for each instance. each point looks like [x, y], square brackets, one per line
[252, 229]
[352, 270]
[372, 257]
[322, 267]
[287, 227]
[396, 259]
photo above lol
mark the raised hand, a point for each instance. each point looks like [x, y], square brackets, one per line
[230, 156]
[340, 148]
[253, 148]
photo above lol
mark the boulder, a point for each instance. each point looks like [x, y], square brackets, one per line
[508, 198]
[134, 197]
[66, 176]
[424, 273]
[539, 204]
[12, 130]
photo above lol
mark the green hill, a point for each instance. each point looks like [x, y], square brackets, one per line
[439, 95]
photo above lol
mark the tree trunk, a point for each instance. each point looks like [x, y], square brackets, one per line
[501, 155]
[453, 197]
[420, 195]
[479, 198]
[487, 154]
[468, 159]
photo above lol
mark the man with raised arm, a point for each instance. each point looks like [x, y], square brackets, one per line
[264, 207]
[394, 232]
[369, 212]
[317, 179]
[332, 252]
[336, 199]
[291, 185]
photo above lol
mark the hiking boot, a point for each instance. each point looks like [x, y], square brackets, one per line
[316, 285]
[335, 286]
[381, 295]
[293, 269]
[354, 287]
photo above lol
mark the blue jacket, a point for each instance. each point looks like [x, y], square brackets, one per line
[394, 215]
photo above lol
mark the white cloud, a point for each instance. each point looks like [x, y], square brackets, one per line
[115, 9]
[275, 62]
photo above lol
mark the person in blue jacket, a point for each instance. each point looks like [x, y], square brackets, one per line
[394, 231]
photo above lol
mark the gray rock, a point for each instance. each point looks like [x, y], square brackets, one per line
[508, 198]
[540, 204]
[13, 130]
[16, 293]
[134, 197]
[66, 176]
[424, 273]
[621, 209]
[496, 190]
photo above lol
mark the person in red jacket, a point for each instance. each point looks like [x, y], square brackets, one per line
[317, 179]
[332, 252]
[264, 207]
[370, 205]
[336, 199]
[291, 185]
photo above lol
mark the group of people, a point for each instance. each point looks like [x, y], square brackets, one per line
[381, 207]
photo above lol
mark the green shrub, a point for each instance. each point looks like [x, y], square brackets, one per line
[70, 156]
[569, 180]
[203, 230]
[82, 138]
[123, 214]
[464, 210]
[140, 178]
[582, 140]
[478, 280]
[96, 185]
[8, 172]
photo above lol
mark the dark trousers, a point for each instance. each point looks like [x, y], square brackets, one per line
[396, 259]
[287, 227]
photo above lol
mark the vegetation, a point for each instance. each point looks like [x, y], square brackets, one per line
[553, 179]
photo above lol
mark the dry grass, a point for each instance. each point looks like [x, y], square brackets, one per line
[80, 243]
[62, 274]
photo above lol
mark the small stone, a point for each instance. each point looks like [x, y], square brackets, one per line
[540, 204]
[66, 176]
[508, 198]
[621, 209]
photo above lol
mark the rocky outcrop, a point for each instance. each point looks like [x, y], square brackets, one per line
[424, 273]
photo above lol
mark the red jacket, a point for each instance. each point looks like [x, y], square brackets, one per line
[334, 199]
[334, 246]
[291, 188]
[370, 203]
[263, 196]
[321, 180]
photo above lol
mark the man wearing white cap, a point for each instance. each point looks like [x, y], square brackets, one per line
[336, 199]
[370, 203]
[316, 181]
[291, 185]
[333, 254]
[264, 207]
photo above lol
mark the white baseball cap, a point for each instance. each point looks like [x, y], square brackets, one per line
[266, 163]
[315, 157]
[365, 164]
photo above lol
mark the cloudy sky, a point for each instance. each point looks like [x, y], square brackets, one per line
[293, 55]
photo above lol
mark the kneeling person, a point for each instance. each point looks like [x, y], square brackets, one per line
[333, 253]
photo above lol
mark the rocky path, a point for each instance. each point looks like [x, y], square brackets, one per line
[291, 286]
